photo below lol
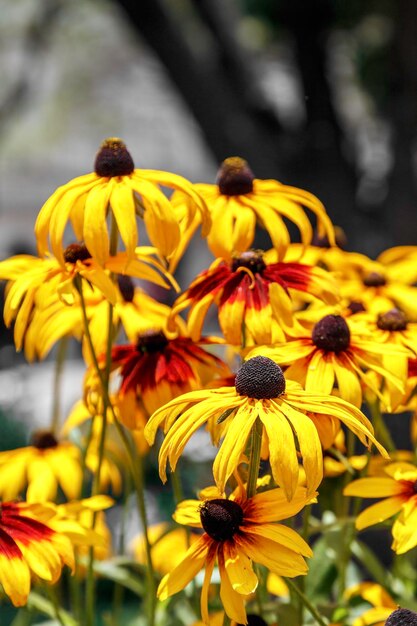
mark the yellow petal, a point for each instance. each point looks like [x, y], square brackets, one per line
[233, 602]
[96, 236]
[379, 512]
[181, 575]
[239, 569]
[123, 206]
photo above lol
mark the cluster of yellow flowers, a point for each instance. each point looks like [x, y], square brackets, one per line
[318, 333]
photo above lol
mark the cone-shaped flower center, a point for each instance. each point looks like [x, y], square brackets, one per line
[251, 259]
[152, 341]
[374, 279]
[260, 378]
[221, 518]
[113, 159]
[43, 439]
[356, 307]
[402, 617]
[76, 252]
[394, 319]
[127, 288]
[332, 334]
[235, 177]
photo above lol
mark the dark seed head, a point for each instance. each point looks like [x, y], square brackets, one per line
[221, 518]
[260, 378]
[76, 252]
[235, 177]
[332, 334]
[251, 259]
[374, 279]
[356, 307]
[126, 287]
[43, 439]
[322, 241]
[392, 320]
[113, 159]
[152, 341]
[402, 617]
[255, 620]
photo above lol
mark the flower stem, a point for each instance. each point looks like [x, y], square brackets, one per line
[309, 606]
[255, 457]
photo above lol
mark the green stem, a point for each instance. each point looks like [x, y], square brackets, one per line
[381, 431]
[177, 487]
[42, 604]
[59, 366]
[255, 457]
[308, 605]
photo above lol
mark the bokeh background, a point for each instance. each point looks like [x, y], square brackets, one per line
[320, 94]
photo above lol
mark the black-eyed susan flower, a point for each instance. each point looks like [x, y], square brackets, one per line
[29, 546]
[42, 467]
[292, 419]
[114, 186]
[39, 282]
[382, 604]
[158, 369]
[398, 488]
[335, 352]
[237, 532]
[253, 297]
[239, 201]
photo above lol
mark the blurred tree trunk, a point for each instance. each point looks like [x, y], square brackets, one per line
[228, 128]
[402, 196]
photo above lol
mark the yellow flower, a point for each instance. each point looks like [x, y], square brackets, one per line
[126, 191]
[239, 201]
[36, 283]
[382, 603]
[29, 545]
[42, 467]
[292, 420]
[334, 352]
[168, 546]
[238, 531]
[254, 297]
[398, 487]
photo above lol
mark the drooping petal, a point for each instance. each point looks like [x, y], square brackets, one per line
[239, 569]
[181, 575]
[233, 602]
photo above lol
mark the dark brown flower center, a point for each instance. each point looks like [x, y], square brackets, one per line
[235, 177]
[255, 620]
[392, 320]
[402, 617]
[43, 439]
[221, 518]
[152, 341]
[332, 334]
[113, 159]
[374, 279]
[126, 287]
[76, 252]
[322, 241]
[356, 307]
[251, 259]
[260, 378]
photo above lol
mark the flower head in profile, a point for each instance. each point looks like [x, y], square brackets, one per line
[398, 490]
[36, 284]
[158, 369]
[292, 420]
[253, 296]
[237, 532]
[42, 467]
[335, 352]
[30, 546]
[239, 201]
[114, 186]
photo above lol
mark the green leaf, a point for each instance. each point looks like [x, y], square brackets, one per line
[368, 559]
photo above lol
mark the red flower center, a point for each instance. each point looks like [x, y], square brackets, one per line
[221, 518]
[235, 177]
[332, 334]
[392, 320]
[43, 439]
[260, 378]
[152, 341]
[251, 260]
[76, 252]
[113, 159]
